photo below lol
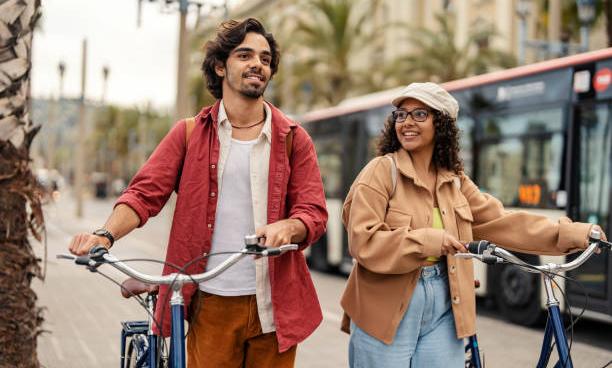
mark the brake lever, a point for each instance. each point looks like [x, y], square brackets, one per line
[70, 257]
[604, 245]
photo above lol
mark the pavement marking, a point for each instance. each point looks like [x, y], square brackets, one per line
[57, 347]
[84, 348]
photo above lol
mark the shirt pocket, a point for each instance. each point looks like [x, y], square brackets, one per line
[396, 219]
[463, 215]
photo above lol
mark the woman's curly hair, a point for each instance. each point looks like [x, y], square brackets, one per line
[229, 35]
[446, 138]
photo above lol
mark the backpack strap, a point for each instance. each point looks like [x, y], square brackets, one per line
[189, 125]
[289, 144]
[393, 173]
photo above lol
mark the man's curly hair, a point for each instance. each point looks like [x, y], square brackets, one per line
[229, 35]
[446, 138]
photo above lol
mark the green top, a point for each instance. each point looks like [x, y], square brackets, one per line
[436, 224]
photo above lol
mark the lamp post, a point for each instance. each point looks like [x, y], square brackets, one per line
[182, 93]
[522, 10]
[586, 15]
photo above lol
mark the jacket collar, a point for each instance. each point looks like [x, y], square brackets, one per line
[406, 168]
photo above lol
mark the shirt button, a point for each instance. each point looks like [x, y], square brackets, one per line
[212, 194]
[209, 226]
[455, 300]
[443, 212]
[213, 166]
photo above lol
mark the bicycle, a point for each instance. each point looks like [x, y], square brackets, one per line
[145, 349]
[490, 253]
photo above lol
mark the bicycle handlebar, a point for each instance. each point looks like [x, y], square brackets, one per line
[490, 253]
[99, 255]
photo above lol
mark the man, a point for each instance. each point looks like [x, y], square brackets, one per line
[244, 168]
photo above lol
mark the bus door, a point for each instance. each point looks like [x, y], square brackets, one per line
[591, 175]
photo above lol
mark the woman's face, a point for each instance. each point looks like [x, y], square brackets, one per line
[415, 133]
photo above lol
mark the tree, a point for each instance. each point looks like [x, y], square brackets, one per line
[435, 55]
[20, 208]
[328, 37]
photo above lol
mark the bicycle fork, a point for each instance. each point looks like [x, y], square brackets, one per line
[554, 328]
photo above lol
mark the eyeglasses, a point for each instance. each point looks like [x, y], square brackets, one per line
[419, 115]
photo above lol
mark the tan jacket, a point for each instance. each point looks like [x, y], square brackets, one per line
[391, 237]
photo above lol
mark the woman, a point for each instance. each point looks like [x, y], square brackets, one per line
[408, 300]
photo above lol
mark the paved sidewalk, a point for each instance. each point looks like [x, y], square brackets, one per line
[83, 311]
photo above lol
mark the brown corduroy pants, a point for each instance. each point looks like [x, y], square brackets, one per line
[225, 332]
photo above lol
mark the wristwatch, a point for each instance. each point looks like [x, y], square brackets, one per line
[105, 233]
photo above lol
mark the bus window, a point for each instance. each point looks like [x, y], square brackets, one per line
[521, 157]
[594, 188]
[466, 126]
[375, 123]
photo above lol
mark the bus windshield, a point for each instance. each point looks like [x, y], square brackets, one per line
[521, 156]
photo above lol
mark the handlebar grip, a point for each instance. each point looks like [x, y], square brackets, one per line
[477, 247]
[272, 251]
[82, 260]
[97, 253]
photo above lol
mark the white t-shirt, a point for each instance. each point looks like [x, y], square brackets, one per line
[233, 219]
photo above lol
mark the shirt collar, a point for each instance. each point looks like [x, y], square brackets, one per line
[266, 131]
[406, 167]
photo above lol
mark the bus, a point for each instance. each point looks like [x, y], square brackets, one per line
[538, 137]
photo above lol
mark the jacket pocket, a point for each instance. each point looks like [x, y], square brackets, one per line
[463, 215]
[396, 219]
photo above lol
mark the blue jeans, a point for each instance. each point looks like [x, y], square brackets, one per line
[426, 336]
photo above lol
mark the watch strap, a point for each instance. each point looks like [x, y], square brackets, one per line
[107, 234]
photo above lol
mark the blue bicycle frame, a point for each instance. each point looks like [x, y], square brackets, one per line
[554, 328]
[148, 355]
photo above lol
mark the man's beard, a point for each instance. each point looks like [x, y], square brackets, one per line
[253, 93]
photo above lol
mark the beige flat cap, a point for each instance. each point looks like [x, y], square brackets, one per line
[430, 94]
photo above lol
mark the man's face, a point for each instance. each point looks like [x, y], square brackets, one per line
[247, 69]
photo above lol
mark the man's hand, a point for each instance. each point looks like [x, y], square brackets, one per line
[282, 232]
[83, 242]
[450, 245]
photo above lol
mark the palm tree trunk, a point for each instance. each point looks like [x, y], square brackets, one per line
[20, 211]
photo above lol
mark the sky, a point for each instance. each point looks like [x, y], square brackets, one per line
[142, 61]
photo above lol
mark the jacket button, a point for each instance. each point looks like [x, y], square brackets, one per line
[209, 226]
[213, 166]
[455, 299]
[443, 212]
[452, 269]
[212, 194]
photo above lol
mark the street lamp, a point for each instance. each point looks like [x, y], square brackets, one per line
[586, 15]
[61, 68]
[522, 10]
[105, 72]
[182, 95]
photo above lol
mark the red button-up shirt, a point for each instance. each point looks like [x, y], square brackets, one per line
[295, 191]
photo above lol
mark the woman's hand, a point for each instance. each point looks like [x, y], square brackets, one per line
[450, 245]
[603, 237]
